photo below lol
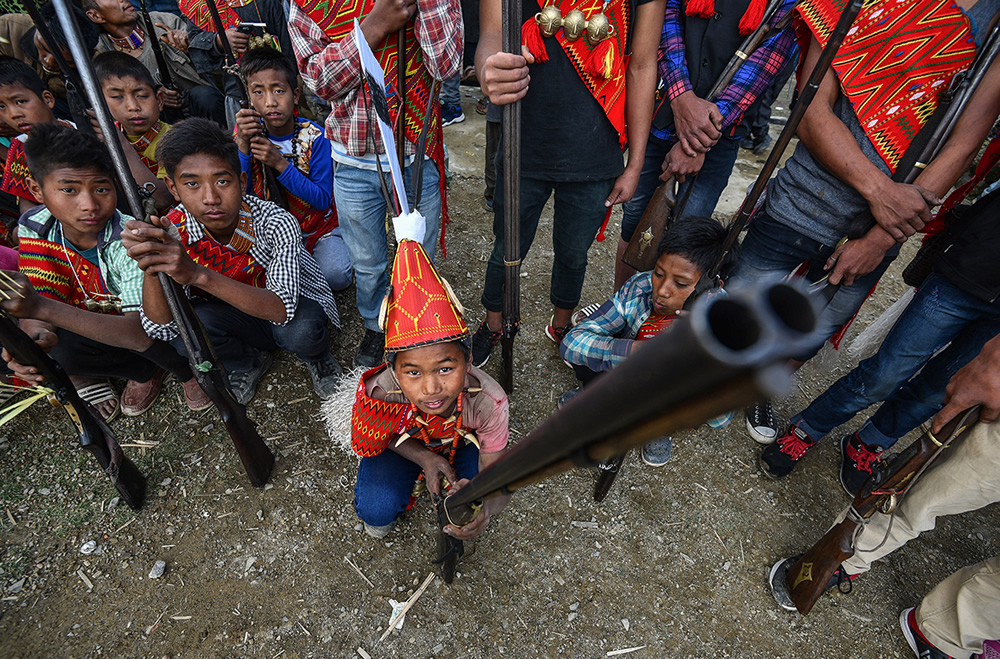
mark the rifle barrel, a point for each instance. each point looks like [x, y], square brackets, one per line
[729, 351]
[511, 35]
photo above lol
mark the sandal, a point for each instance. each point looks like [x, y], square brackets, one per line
[101, 392]
[138, 397]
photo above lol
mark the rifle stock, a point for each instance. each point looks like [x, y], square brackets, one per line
[94, 434]
[207, 368]
[642, 248]
[808, 577]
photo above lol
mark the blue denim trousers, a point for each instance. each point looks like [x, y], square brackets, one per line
[334, 260]
[579, 214]
[361, 209]
[939, 314]
[235, 335]
[450, 92]
[385, 481]
[708, 185]
[770, 250]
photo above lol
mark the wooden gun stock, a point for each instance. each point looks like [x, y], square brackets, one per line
[808, 578]
[641, 251]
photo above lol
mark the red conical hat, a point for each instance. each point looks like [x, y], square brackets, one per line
[420, 308]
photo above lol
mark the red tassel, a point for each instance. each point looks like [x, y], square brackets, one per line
[604, 227]
[531, 38]
[601, 62]
[701, 8]
[752, 17]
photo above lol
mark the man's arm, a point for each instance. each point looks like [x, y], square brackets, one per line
[441, 34]
[503, 76]
[977, 383]
[640, 90]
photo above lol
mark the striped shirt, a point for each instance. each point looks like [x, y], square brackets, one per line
[121, 274]
[750, 80]
[277, 246]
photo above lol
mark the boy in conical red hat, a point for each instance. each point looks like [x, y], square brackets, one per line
[426, 414]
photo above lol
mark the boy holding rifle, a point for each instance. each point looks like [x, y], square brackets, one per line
[251, 282]
[854, 137]
[963, 611]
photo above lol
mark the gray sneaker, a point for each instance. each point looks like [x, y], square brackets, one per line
[378, 532]
[657, 452]
[325, 373]
[244, 383]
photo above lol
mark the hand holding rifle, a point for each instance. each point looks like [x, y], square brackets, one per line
[976, 383]
[698, 123]
[155, 251]
[178, 39]
[678, 164]
[387, 17]
[238, 41]
[248, 125]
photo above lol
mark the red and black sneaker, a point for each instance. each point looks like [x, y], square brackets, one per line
[921, 647]
[482, 344]
[778, 459]
[556, 334]
[856, 462]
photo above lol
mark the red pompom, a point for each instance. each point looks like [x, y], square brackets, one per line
[700, 8]
[752, 17]
[531, 38]
[601, 62]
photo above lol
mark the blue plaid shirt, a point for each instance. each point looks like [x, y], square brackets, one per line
[749, 82]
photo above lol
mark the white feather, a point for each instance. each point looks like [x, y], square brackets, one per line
[336, 410]
[869, 340]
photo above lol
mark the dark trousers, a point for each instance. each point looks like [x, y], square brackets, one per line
[85, 357]
[236, 335]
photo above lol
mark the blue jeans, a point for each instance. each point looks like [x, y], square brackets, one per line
[579, 214]
[939, 314]
[334, 260]
[708, 186]
[236, 335]
[361, 209]
[450, 93]
[385, 482]
[771, 249]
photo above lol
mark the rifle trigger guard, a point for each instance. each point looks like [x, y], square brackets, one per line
[888, 504]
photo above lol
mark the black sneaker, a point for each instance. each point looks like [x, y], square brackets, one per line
[568, 396]
[778, 578]
[325, 373]
[856, 462]
[244, 383]
[761, 422]
[778, 459]
[371, 352]
[921, 647]
[482, 344]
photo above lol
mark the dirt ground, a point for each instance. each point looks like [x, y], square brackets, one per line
[674, 561]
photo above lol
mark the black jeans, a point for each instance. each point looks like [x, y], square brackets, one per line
[85, 357]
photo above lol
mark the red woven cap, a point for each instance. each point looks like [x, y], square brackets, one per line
[420, 308]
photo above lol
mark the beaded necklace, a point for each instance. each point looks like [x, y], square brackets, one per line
[133, 41]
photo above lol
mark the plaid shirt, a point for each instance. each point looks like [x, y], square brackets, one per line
[750, 80]
[277, 246]
[333, 69]
[603, 340]
[121, 274]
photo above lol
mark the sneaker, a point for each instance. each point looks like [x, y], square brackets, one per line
[761, 422]
[325, 373]
[778, 578]
[244, 383]
[488, 205]
[778, 459]
[856, 462]
[378, 532]
[556, 333]
[371, 350]
[720, 422]
[451, 114]
[482, 344]
[657, 452]
[583, 314]
[137, 397]
[921, 647]
[195, 397]
[756, 143]
[568, 396]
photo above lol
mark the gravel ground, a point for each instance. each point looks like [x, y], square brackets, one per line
[674, 561]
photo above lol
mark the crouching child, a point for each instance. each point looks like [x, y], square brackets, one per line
[241, 259]
[646, 305]
[426, 418]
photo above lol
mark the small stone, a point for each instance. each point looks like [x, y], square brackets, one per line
[625, 623]
[88, 548]
[44, 491]
[208, 428]
[574, 606]
[571, 617]
[16, 587]
[268, 486]
[437, 648]
[726, 565]
[158, 568]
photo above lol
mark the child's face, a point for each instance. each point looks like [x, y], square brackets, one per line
[82, 199]
[210, 190]
[273, 99]
[674, 279]
[133, 104]
[45, 56]
[21, 108]
[432, 377]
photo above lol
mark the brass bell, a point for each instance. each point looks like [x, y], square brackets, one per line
[574, 23]
[549, 20]
[598, 29]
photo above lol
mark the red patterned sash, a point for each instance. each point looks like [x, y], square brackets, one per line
[653, 326]
[50, 269]
[232, 260]
[15, 176]
[894, 63]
